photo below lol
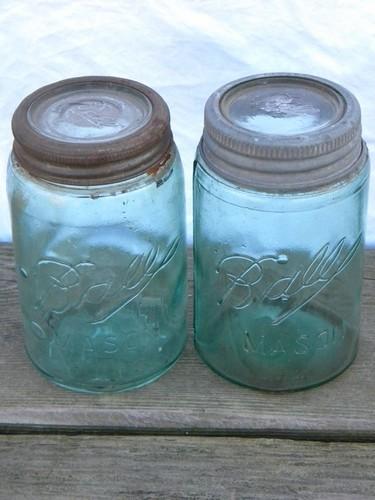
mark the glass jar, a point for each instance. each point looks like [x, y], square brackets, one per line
[280, 194]
[95, 186]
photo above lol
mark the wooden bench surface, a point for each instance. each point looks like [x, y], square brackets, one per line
[198, 436]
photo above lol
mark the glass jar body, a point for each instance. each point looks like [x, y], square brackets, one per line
[102, 277]
[277, 280]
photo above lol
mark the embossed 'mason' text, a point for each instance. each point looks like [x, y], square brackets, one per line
[300, 345]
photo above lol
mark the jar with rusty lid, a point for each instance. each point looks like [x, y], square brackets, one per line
[95, 187]
[280, 194]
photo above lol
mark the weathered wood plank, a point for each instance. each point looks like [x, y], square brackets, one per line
[86, 467]
[190, 398]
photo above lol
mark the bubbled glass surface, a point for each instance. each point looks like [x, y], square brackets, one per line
[102, 277]
[281, 109]
[87, 115]
[277, 280]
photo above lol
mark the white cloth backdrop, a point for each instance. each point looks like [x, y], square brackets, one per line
[185, 49]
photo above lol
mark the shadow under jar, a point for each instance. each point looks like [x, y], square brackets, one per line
[280, 194]
[95, 186]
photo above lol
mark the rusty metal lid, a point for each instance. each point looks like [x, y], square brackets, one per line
[91, 130]
[283, 132]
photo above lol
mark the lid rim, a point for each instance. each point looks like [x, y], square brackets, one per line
[96, 177]
[285, 182]
[31, 145]
[229, 141]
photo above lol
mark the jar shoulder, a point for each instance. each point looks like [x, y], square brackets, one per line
[208, 184]
[96, 204]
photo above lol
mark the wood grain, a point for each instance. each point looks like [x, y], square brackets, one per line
[190, 398]
[88, 467]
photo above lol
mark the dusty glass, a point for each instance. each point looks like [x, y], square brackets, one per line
[280, 193]
[99, 233]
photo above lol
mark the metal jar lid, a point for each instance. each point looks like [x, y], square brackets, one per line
[91, 130]
[283, 132]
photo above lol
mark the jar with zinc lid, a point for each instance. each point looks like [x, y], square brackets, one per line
[280, 194]
[95, 186]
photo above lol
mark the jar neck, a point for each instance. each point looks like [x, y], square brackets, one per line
[158, 174]
[287, 175]
[250, 198]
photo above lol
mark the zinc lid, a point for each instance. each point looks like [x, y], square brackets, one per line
[91, 130]
[283, 132]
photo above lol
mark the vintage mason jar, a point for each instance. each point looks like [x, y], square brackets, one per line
[280, 196]
[95, 186]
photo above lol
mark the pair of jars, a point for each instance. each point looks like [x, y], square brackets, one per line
[95, 185]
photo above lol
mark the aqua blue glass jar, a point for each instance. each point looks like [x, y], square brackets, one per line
[280, 194]
[95, 186]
